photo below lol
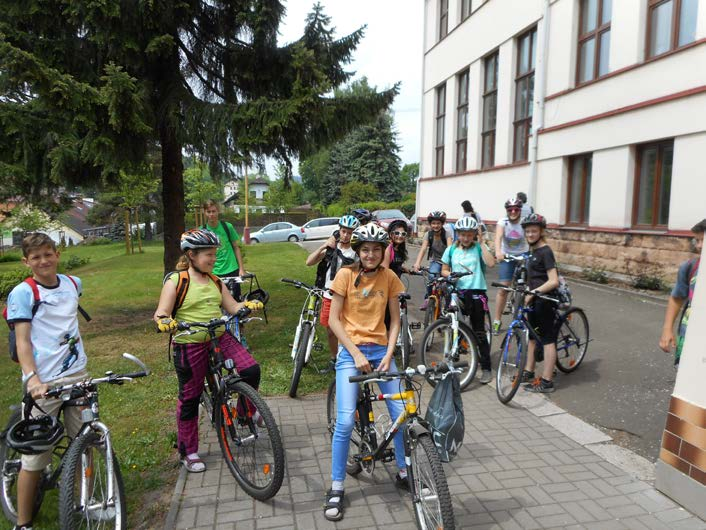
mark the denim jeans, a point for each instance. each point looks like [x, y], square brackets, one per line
[346, 399]
[434, 272]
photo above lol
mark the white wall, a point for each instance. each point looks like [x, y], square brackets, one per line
[611, 187]
[563, 30]
[686, 202]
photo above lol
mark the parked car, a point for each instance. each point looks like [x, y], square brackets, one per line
[281, 231]
[320, 228]
[385, 217]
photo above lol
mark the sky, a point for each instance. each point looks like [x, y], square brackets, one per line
[390, 52]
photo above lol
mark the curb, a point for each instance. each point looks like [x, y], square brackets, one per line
[170, 521]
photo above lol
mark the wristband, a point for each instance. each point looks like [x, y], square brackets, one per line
[26, 378]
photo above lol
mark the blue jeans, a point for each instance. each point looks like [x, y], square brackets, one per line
[434, 273]
[346, 400]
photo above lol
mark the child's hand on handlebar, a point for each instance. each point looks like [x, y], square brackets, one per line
[167, 325]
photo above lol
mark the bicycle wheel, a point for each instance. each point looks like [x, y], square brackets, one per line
[353, 467]
[572, 339]
[430, 311]
[511, 362]
[437, 345]
[406, 349]
[83, 492]
[430, 491]
[300, 357]
[254, 454]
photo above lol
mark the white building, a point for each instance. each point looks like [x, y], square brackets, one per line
[231, 188]
[617, 93]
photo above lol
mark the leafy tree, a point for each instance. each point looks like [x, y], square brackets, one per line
[27, 218]
[199, 184]
[312, 169]
[356, 192]
[409, 175]
[282, 197]
[87, 88]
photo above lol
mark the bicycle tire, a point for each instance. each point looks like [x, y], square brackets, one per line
[406, 350]
[89, 449]
[353, 468]
[254, 455]
[299, 358]
[430, 484]
[434, 350]
[430, 311]
[511, 362]
[570, 346]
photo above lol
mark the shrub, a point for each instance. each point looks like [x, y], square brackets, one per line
[97, 241]
[648, 277]
[595, 274]
[74, 262]
[5, 258]
[9, 279]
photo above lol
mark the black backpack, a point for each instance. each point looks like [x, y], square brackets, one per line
[323, 267]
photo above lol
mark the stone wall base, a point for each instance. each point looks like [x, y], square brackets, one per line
[682, 489]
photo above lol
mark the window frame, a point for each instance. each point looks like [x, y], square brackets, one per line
[585, 177]
[660, 146]
[439, 124]
[596, 34]
[526, 120]
[443, 19]
[675, 27]
[487, 95]
[462, 106]
[466, 4]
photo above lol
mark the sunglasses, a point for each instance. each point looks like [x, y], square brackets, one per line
[514, 210]
[402, 234]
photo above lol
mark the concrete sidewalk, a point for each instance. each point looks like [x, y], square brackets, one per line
[528, 465]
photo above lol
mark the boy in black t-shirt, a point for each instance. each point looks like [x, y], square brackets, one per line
[542, 278]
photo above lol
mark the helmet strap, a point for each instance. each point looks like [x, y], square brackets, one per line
[363, 270]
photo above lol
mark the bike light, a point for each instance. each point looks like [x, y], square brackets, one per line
[266, 469]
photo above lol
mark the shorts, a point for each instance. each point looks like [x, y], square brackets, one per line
[72, 420]
[542, 319]
[325, 311]
[506, 270]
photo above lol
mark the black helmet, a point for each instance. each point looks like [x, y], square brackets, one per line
[534, 219]
[436, 216]
[34, 436]
[370, 233]
[364, 216]
[258, 295]
[198, 238]
[395, 224]
[513, 203]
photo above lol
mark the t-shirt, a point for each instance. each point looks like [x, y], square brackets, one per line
[55, 322]
[540, 261]
[363, 313]
[681, 288]
[201, 303]
[226, 262]
[438, 246]
[469, 259]
[526, 210]
[396, 260]
[513, 241]
[338, 263]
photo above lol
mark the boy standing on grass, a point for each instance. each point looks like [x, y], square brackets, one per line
[49, 349]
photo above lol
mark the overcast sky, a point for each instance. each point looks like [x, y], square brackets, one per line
[390, 51]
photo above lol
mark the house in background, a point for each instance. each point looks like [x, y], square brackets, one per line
[258, 188]
[231, 188]
[71, 229]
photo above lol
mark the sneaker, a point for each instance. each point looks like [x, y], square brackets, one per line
[401, 483]
[486, 376]
[424, 305]
[540, 386]
[22, 527]
[496, 327]
[527, 376]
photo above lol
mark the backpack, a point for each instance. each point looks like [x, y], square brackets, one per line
[183, 287]
[12, 338]
[430, 239]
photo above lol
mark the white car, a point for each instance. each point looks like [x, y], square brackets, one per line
[320, 228]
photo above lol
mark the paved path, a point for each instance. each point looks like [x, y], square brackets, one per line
[530, 466]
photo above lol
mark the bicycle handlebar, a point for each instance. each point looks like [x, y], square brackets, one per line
[214, 323]
[409, 372]
[524, 291]
[301, 285]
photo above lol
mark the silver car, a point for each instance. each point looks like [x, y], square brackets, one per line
[320, 228]
[281, 231]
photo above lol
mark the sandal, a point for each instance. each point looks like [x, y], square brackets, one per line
[330, 504]
[194, 464]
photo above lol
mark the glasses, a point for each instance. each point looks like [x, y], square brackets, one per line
[514, 210]
[401, 234]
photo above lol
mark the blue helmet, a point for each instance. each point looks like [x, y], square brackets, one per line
[348, 221]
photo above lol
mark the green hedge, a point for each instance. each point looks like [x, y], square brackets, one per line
[9, 279]
[407, 207]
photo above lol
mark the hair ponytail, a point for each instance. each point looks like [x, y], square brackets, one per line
[183, 263]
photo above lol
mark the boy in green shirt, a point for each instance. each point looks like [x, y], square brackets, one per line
[228, 257]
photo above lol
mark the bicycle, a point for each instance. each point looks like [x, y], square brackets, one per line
[569, 338]
[87, 472]
[436, 301]
[253, 294]
[458, 340]
[369, 444]
[404, 348]
[252, 449]
[305, 338]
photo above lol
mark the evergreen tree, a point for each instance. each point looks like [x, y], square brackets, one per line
[87, 88]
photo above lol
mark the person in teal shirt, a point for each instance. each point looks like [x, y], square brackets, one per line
[470, 254]
[229, 261]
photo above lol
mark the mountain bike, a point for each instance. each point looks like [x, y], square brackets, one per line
[252, 449]
[369, 443]
[449, 338]
[436, 301]
[305, 338]
[253, 294]
[85, 469]
[405, 340]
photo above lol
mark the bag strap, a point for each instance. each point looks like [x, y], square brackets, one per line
[81, 310]
[226, 229]
[35, 293]
[181, 289]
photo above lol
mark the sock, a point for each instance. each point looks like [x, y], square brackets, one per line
[337, 485]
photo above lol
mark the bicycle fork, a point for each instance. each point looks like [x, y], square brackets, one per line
[88, 478]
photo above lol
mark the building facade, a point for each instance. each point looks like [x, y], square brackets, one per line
[595, 108]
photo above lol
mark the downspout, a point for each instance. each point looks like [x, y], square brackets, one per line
[421, 140]
[540, 93]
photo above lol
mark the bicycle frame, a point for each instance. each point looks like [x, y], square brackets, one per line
[310, 312]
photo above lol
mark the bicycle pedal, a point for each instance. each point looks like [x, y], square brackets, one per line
[415, 325]
[318, 347]
[388, 455]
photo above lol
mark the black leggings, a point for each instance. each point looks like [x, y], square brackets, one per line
[475, 303]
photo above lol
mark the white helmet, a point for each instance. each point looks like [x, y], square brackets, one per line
[465, 224]
[370, 233]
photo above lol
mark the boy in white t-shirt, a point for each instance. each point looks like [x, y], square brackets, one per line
[49, 349]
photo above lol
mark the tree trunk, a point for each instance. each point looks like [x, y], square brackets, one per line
[139, 234]
[172, 194]
[127, 231]
[148, 225]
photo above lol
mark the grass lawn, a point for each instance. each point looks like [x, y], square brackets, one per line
[121, 293]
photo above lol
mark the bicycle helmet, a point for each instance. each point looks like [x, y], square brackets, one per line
[364, 216]
[513, 203]
[398, 223]
[466, 224]
[369, 233]
[198, 238]
[34, 436]
[257, 295]
[534, 219]
[348, 221]
[436, 216]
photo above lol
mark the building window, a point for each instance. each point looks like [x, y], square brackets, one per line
[524, 93]
[466, 8]
[670, 25]
[579, 192]
[462, 122]
[594, 40]
[653, 183]
[490, 110]
[443, 18]
[440, 123]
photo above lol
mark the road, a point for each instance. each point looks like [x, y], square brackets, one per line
[624, 384]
